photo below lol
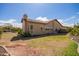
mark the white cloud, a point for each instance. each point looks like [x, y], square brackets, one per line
[11, 21]
[64, 23]
[69, 21]
[42, 18]
[8, 21]
[17, 25]
[60, 20]
[69, 25]
[70, 18]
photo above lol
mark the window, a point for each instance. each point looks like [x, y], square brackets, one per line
[41, 28]
[46, 29]
[31, 27]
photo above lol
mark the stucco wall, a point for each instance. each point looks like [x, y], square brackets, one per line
[57, 25]
[36, 28]
[23, 26]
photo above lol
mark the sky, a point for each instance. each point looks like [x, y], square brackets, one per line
[66, 13]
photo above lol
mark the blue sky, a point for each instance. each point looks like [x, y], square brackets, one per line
[68, 14]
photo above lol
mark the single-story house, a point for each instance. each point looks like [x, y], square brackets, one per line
[39, 27]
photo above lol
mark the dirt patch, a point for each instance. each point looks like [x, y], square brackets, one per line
[23, 50]
[61, 44]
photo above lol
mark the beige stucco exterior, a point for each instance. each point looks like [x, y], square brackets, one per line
[39, 28]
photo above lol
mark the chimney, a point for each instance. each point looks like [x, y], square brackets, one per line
[24, 18]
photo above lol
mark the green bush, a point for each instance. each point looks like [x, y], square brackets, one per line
[69, 29]
[20, 31]
[75, 32]
[63, 31]
[23, 34]
[16, 29]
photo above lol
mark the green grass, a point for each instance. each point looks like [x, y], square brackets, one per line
[57, 45]
[8, 35]
[71, 50]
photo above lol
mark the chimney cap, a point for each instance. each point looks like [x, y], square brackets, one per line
[25, 15]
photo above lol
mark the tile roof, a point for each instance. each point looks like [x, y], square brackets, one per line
[42, 22]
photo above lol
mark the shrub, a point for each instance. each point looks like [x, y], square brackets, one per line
[63, 31]
[69, 29]
[16, 29]
[23, 34]
[20, 31]
[26, 34]
[75, 31]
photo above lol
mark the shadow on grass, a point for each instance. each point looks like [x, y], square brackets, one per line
[18, 37]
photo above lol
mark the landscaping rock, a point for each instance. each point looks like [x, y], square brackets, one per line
[75, 38]
[4, 51]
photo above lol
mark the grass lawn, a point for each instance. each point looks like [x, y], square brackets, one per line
[8, 35]
[57, 45]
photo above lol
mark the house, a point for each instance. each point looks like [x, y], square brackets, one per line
[38, 27]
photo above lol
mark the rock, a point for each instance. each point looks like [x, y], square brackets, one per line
[75, 38]
[4, 51]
